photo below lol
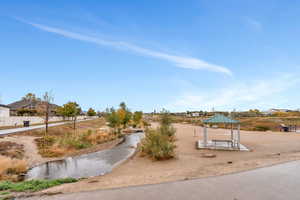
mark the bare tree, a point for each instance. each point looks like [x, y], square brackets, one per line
[47, 100]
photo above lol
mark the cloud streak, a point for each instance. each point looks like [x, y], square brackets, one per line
[179, 61]
[241, 95]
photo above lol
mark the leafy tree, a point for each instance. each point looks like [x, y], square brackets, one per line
[26, 112]
[113, 119]
[91, 112]
[70, 109]
[124, 114]
[137, 117]
[30, 97]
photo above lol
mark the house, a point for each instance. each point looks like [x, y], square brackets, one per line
[273, 110]
[193, 114]
[4, 111]
[29, 107]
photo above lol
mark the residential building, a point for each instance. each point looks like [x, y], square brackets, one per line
[29, 107]
[4, 111]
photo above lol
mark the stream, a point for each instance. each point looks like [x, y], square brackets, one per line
[87, 165]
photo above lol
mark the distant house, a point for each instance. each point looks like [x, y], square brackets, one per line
[29, 107]
[273, 110]
[193, 114]
[4, 111]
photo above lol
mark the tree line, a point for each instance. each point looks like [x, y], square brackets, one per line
[120, 118]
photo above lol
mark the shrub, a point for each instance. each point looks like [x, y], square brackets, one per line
[157, 145]
[261, 128]
[168, 131]
[10, 166]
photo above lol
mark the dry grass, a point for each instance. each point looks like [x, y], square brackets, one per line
[64, 140]
[267, 123]
[11, 149]
[10, 167]
[67, 128]
[248, 123]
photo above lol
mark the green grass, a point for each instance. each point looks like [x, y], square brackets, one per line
[7, 198]
[33, 185]
[4, 193]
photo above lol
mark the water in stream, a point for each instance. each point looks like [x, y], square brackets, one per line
[92, 164]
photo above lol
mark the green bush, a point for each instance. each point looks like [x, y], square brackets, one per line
[261, 128]
[168, 131]
[157, 145]
[33, 185]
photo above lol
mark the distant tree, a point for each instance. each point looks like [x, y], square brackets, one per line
[100, 114]
[26, 112]
[137, 117]
[124, 114]
[30, 97]
[70, 109]
[91, 112]
[113, 119]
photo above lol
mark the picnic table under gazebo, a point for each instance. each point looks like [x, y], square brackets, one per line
[223, 144]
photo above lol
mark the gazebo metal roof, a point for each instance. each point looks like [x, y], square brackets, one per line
[218, 119]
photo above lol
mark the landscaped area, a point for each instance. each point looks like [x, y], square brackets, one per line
[167, 153]
[269, 149]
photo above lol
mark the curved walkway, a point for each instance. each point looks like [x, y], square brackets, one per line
[279, 182]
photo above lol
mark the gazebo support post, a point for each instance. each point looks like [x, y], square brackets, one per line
[205, 135]
[239, 136]
[231, 131]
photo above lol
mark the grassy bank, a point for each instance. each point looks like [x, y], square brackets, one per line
[64, 140]
[33, 185]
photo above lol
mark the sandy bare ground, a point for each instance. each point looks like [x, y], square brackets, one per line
[30, 149]
[267, 149]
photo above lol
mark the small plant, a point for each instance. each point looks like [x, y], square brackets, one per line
[159, 143]
[33, 185]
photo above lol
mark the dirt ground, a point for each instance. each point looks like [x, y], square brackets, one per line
[30, 151]
[267, 148]
[31, 154]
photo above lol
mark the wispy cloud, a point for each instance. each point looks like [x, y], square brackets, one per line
[242, 95]
[179, 61]
[254, 24]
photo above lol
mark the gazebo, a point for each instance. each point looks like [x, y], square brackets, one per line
[230, 144]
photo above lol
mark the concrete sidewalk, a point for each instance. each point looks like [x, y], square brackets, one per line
[279, 182]
[15, 130]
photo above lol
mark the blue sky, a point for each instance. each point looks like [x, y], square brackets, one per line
[173, 54]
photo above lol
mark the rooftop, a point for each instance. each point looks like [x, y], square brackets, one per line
[5, 106]
[218, 119]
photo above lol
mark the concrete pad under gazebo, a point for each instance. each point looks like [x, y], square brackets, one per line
[231, 144]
